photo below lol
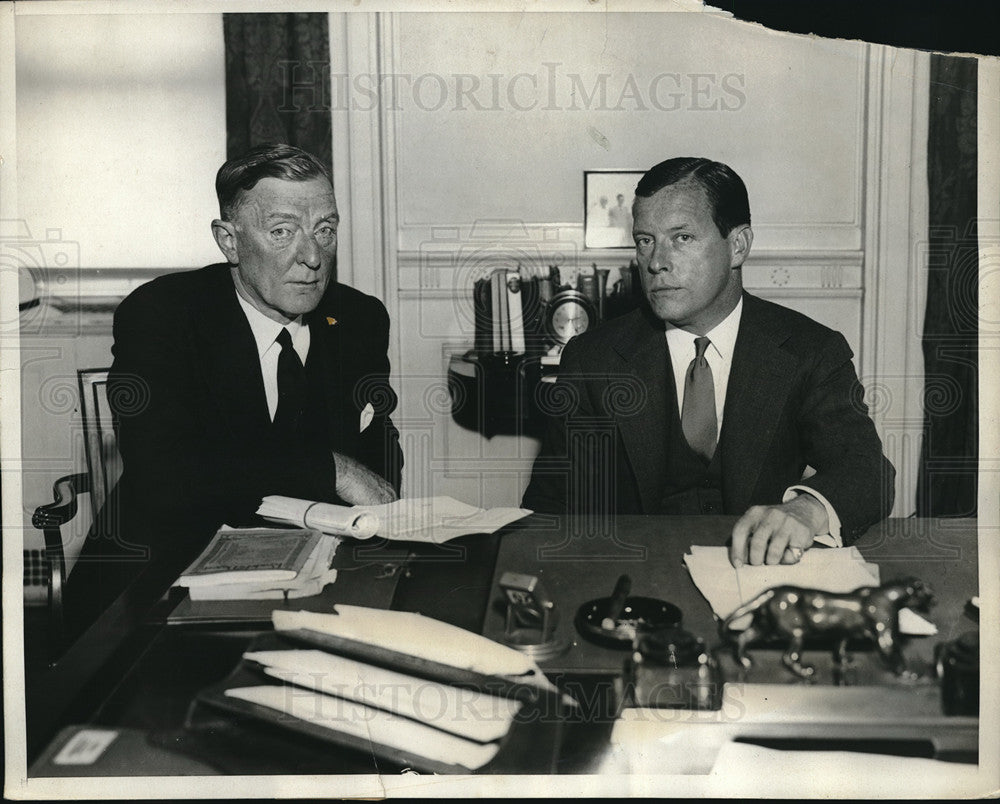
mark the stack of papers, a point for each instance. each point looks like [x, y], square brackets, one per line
[407, 709]
[383, 707]
[261, 564]
[840, 569]
[477, 717]
[432, 520]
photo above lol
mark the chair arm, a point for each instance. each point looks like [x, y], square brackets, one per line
[63, 509]
[48, 519]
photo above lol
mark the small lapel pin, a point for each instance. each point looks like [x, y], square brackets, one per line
[330, 321]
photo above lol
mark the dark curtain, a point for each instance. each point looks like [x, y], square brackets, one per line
[278, 82]
[947, 482]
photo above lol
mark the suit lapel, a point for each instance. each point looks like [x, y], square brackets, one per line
[761, 377]
[324, 366]
[644, 349]
[232, 365]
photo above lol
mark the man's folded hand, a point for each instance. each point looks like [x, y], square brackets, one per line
[772, 534]
[359, 485]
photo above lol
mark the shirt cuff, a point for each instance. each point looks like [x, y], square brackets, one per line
[831, 539]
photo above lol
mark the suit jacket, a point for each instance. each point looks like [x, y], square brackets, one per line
[793, 400]
[194, 430]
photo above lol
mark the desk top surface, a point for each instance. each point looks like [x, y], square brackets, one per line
[578, 567]
[453, 583]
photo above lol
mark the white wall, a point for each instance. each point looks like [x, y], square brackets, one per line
[120, 129]
[784, 111]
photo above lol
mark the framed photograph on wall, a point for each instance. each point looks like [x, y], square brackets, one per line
[607, 209]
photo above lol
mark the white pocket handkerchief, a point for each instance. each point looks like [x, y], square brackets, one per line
[366, 417]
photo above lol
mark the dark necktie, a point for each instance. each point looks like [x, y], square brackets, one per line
[698, 416]
[291, 386]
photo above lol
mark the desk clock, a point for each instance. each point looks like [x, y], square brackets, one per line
[568, 314]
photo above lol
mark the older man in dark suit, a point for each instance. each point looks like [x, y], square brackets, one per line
[261, 375]
[708, 399]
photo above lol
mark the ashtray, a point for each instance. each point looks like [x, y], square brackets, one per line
[637, 614]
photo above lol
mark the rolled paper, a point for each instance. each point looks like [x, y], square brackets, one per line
[337, 520]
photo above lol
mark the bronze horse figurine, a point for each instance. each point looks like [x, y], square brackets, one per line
[794, 614]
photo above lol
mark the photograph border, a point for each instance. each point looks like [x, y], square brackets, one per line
[370, 786]
[588, 240]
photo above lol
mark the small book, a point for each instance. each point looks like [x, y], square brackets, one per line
[310, 580]
[251, 555]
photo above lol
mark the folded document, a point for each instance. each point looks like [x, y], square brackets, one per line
[439, 519]
[414, 635]
[434, 520]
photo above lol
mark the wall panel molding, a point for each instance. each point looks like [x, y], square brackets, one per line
[73, 289]
[798, 237]
[895, 268]
[446, 272]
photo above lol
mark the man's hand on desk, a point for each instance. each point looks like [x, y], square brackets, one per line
[359, 485]
[769, 534]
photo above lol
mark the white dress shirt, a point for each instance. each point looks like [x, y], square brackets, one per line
[719, 355]
[265, 331]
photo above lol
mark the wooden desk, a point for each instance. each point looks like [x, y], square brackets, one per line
[457, 583]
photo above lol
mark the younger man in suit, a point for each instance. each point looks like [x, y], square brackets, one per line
[729, 397]
[261, 375]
